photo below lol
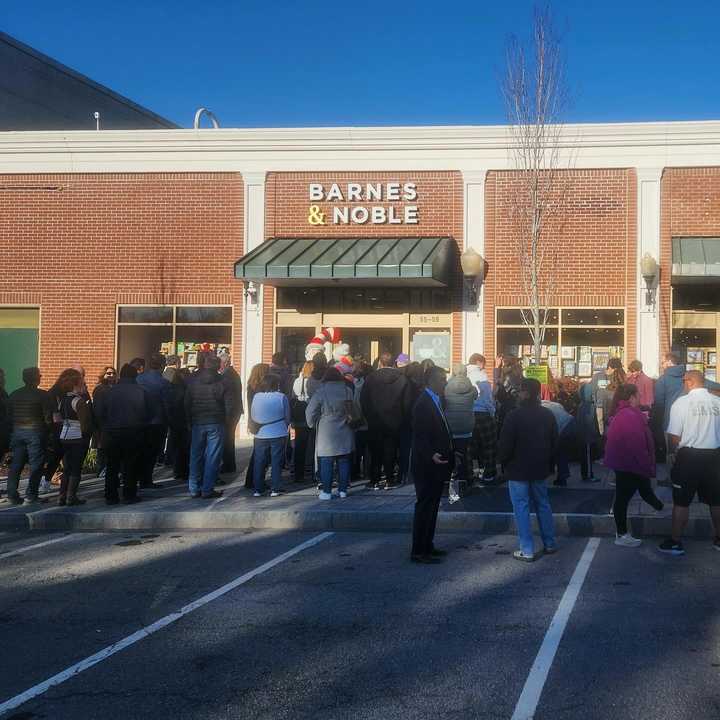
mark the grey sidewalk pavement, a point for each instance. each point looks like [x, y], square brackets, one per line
[580, 509]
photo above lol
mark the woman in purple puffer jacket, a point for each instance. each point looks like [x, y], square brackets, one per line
[630, 452]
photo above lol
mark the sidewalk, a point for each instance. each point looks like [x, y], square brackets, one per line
[580, 509]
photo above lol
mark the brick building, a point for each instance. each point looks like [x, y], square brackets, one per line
[118, 243]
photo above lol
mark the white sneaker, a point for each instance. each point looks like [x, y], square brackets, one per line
[45, 487]
[343, 494]
[257, 494]
[325, 496]
[627, 540]
[275, 493]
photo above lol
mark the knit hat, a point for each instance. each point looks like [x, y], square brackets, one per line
[402, 360]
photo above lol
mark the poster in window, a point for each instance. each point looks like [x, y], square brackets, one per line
[584, 369]
[712, 358]
[585, 355]
[600, 360]
[432, 346]
[568, 353]
[711, 375]
[192, 359]
[543, 352]
[569, 368]
[553, 363]
[552, 349]
[694, 356]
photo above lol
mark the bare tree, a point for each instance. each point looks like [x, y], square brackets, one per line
[535, 93]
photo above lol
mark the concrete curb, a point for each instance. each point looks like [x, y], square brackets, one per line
[566, 524]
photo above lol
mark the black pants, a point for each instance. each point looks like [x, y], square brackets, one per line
[153, 445]
[125, 452]
[302, 440]
[461, 448]
[383, 453]
[180, 438]
[74, 453]
[54, 455]
[229, 464]
[428, 491]
[626, 484]
[361, 456]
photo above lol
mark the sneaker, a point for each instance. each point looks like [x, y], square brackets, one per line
[257, 494]
[196, 495]
[324, 496]
[343, 494]
[45, 487]
[520, 555]
[627, 540]
[716, 543]
[550, 550]
[671, 547]
[275, 493]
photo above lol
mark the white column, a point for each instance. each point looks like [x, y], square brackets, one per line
[254, 227]
[648, 320]
[474, 234]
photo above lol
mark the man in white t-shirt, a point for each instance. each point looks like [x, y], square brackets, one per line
[694, 428]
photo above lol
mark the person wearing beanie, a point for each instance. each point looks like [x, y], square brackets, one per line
[402, 361]
[460, 397]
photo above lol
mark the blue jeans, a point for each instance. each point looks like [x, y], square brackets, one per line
[26, 446]
[206, 448]
[326, 471]
[522, 495]
[276, 448]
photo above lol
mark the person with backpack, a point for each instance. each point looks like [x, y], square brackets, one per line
[298, 406]
[460, 397]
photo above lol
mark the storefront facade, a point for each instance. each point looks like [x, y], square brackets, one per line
[116, 244]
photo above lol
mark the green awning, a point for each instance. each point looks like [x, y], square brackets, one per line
[695, 260]
[418, 261]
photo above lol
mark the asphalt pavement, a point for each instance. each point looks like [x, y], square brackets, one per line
[342, 625]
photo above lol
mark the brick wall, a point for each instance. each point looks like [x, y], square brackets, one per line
[690, 207]
[440, 203]
[597, 242]
[77, 245]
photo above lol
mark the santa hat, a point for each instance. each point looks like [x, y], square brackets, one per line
[317, 344]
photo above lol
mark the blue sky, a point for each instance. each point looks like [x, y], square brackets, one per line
[311, 62]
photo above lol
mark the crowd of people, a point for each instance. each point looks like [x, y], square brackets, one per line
[149, 413]
[390, 424]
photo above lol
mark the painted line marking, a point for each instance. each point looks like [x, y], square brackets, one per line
[530, 696]
[22, 550]
[148, 630]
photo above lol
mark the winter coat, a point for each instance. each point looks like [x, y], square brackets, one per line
[645, 386]
[460, 397]
[327, 413]
[28, 408]
[586, 418]
[207, 400]
[668, 389]
[159, 390]
[125, 405]
[359, 384]
[270, 411]
[233, 383]
[528, 442]
[484, 402]
[629, 445]
[562, 417]
[386, 400]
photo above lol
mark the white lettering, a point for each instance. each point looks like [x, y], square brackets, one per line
[411, 215]
[341, 215]
[393, 217]
[360, 215]
[393, 191]
[410, 191]
[335, 193]
[373, 192]
[316, 191]
[379, 216]
[354, 192]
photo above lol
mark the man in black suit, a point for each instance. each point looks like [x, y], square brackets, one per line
[431, 462]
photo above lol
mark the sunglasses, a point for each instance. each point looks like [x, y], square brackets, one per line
[109, 373]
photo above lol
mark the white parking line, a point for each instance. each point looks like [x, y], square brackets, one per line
[530, 696]
[22, 550]
[148, 630]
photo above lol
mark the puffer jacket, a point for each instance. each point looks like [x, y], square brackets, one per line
[28, 408]
[207, 400]
[460, 396]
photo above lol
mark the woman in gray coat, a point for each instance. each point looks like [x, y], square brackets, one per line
[460, 396]
[329, 413]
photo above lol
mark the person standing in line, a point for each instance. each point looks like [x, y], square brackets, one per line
[431, 464]
[630, 452]
[668, 388]
[77, 423]
[644, 384]
[460, 397]
[270, 412]
[28, 411]
[139, 364]
[604, 384]
[232, 380]
[527, 446]
[4, 418]
[158, 389]
[257, 375]
[107, 378]
[485, 433]
[179, 435]
[279, 367]
[385, 404]
[124, 412]
[328, 412]
[507, 377]
[361, 456]
[567, 434]
[588, 432]
[208, 405]
[298, 407]
[403, 364]
[172, 365]
[694, 429]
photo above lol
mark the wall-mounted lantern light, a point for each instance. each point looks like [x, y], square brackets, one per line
[650, 271]
[474, 270]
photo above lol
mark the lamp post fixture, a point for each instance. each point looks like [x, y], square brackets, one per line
[474, 269]
[650, 271]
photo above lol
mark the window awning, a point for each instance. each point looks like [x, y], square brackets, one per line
[418, 261]
[695, 260]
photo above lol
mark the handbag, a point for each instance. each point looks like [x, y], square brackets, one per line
[353, 416]
[298, 408]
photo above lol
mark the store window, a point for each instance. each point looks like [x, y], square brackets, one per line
[578, 341]
[19, 329]
[363, 300]
[181, 330]
[292, 343]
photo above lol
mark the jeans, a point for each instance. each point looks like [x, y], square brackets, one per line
[26, 446]
[206, 447]
[276, 448]
[522, 496]
[326, 471]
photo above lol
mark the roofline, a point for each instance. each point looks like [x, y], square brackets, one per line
[4, 37]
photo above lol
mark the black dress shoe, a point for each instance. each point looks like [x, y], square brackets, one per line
[425, 559]
[435, 552]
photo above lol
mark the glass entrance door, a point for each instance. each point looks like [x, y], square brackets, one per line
[371, 343]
